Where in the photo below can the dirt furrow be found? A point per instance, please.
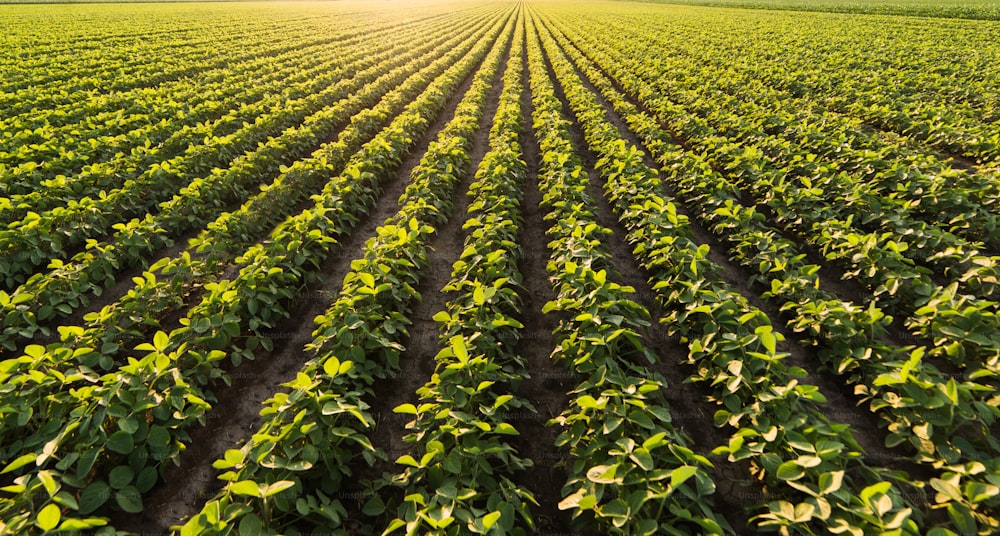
(548, 384)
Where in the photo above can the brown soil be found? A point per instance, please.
(549, 383)
(962, 163)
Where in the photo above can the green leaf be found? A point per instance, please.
(505, 429)
(830, 482)
(129, 500)
(271, 490)
(452, 463)
(158, 437)
(408, 409)
(962, 518)
(406, 459)
(458, 346)
(643, 459)
(580, 499)
(946, 490)
(951, 391)
(447, 491)
(804, 512)
(373, 507)
(20, 462)
(65, 498)
(49, 517)
(886, 378)
(245, 488)
(121, 476)
(129, 425)
(393, 526)
(234, 456)
(161, 341)
(251, 524)
(490, 519)
(767, 338)
(331, 367)
(808, 461)
(501, 400)
(586, 402)
(649, 526)
(911, 363)
(77, 525)
(94, 496)
(146, 479)
(48, 481)
(207, 519)
(121, 442)
(681, 474)
(86, 463)
(790, 471)
(978, 492)
(602, 474)
(879, 488)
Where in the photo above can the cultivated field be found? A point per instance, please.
(500, 268)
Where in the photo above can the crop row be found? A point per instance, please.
(156, 127)
(630, 469)
(961, 327)
(69, 284)
(813, 464)
(933, 11)
(42, 189)
(936, 415)
(185, 63)
(303, 452)
(879, 184)
(939, 96)
(460, 476)
(103, 106)
(142, 301)
(108, 80)
(154, 399)
(132, 317)
(41, 237)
